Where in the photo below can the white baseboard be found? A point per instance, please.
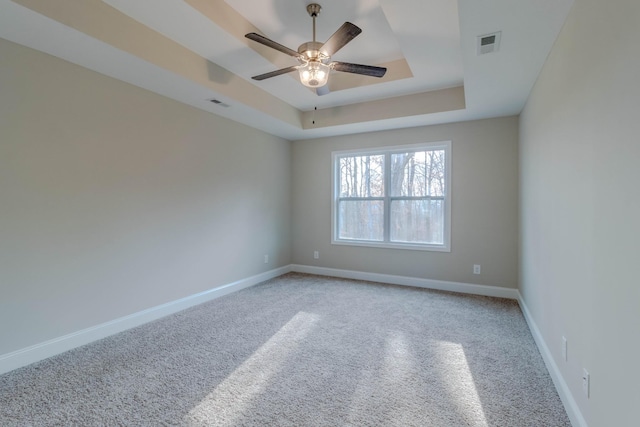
(37, 352)
(570, 405)
(467, 288)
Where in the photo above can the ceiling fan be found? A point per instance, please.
(315, 57)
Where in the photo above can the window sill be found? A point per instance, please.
(386, 245)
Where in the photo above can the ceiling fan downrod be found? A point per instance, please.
(314, 10)
(311, 51)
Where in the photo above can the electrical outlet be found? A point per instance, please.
(266, 259)
(316, 255)
(476, 269)
(564, 349)
(586, 380)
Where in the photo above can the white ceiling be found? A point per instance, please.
(437, 38)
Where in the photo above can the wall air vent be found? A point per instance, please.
(489, 43)
(220, 103)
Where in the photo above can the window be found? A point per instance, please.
(394, 197)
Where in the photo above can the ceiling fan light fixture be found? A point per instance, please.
(314, 74)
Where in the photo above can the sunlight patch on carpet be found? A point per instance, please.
(399, 373)
(232, 396)
(459, 382)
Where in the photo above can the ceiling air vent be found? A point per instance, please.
(489, 43)
(220, 103)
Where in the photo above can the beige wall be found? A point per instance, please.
(114, 199)
(484, 205)
(580, 210)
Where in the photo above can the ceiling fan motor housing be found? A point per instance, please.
(311, 51)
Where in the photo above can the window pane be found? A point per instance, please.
(361, 220)
(362, 176)
(418, 174)
(417, 221)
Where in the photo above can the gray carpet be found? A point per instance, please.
(301, 350)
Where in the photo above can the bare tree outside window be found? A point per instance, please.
(393, 196)
(417, 197)
(362, 187)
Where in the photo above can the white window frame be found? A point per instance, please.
(387, 152)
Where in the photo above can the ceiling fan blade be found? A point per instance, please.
(366, 70)
(273, 45)
(275, 73)
(322, 90)
(344, 35)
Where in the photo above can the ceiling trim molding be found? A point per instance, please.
(437, 101)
